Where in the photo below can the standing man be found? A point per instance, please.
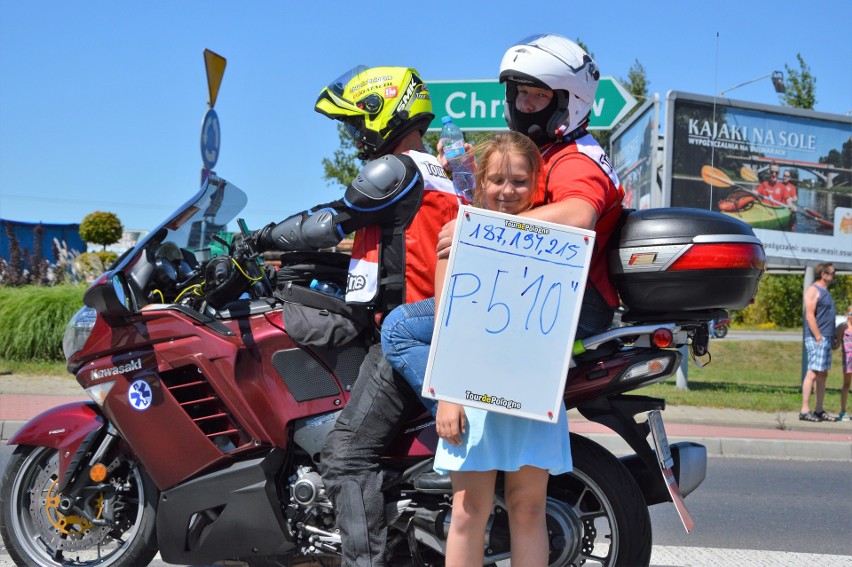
(819, 340)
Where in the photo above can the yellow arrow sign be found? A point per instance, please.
(215, 65)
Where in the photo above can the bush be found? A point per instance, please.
(779, 300)
(90, 265)
(33, 320)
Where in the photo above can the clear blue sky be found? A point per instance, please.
(101, 102)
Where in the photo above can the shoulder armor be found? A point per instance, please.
(380, 183)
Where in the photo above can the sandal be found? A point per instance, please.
(824, 416)
(808, 416)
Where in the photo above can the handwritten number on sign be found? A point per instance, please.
(492, 305)
(538, 281)
(558, 287)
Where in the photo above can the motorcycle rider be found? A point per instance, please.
(550, 89)
(397, 204)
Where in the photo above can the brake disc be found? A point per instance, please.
(66, 532)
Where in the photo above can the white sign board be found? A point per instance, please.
(508, 313)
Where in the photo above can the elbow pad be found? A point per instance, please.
(308, 230)
(379, 184)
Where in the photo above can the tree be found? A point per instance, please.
(344, 164)
(101, 228)
(801, 86)
(637, 84)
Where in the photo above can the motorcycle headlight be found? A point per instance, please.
(78, 330)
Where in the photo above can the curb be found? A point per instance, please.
(718, 446)
(745, 448)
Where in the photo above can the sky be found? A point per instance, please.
(101, 102)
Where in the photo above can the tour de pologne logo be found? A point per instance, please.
(845, 224)
(140, 395)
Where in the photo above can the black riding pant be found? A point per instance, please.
(350, 465)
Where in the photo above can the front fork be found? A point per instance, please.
(81, 494)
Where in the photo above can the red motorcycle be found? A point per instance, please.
(721, 326)
(211, 400)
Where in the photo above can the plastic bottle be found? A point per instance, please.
(327, 287)
(461, 162)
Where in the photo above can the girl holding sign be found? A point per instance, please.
(475, 443)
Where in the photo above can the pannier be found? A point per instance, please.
(313, 318)
(681, 259)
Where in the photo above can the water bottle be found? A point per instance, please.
(461, 162)
(327, 287)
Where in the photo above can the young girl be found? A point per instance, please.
(844, 337)
(475, 444)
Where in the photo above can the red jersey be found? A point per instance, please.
(581, 170)
(779, 192)
(406, 253)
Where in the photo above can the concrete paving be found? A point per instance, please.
(725, 432)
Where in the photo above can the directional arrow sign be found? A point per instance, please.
(478, 104)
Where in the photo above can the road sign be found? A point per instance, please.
(478, 104)
(210, 137)
(215, 65)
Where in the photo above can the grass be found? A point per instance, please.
(33, 319)
(752, 375)
(47, 368)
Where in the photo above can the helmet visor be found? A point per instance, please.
(338, 86)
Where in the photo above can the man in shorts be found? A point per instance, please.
(819, 340)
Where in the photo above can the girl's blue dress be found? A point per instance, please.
(497, 441)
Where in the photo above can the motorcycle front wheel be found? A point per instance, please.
(721, 331)
(596, 514)
(38, 534)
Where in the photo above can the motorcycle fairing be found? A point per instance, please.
(234, 512)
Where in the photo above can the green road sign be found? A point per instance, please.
(478, 104)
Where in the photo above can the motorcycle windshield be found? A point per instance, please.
(193, 225)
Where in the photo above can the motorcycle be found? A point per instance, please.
(720, 327)
(209, 411)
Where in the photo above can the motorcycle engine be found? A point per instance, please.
(310, 514)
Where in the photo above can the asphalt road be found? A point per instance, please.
(748, 513)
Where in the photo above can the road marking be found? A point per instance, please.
(665, 556)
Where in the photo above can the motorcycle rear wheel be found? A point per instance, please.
(37, 534)
(596, 513)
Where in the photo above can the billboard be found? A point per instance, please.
(633, 151)
(36, 239)
(785, 171)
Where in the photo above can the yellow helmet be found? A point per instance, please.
(378, 106)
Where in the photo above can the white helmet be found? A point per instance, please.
(554, 62)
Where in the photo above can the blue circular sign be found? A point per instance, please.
(210, 138)
(140, 395)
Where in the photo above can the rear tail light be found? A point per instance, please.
(737, 255)
(662, 338)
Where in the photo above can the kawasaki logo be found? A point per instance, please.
(114, 370)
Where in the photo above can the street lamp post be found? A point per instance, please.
(777, 82)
